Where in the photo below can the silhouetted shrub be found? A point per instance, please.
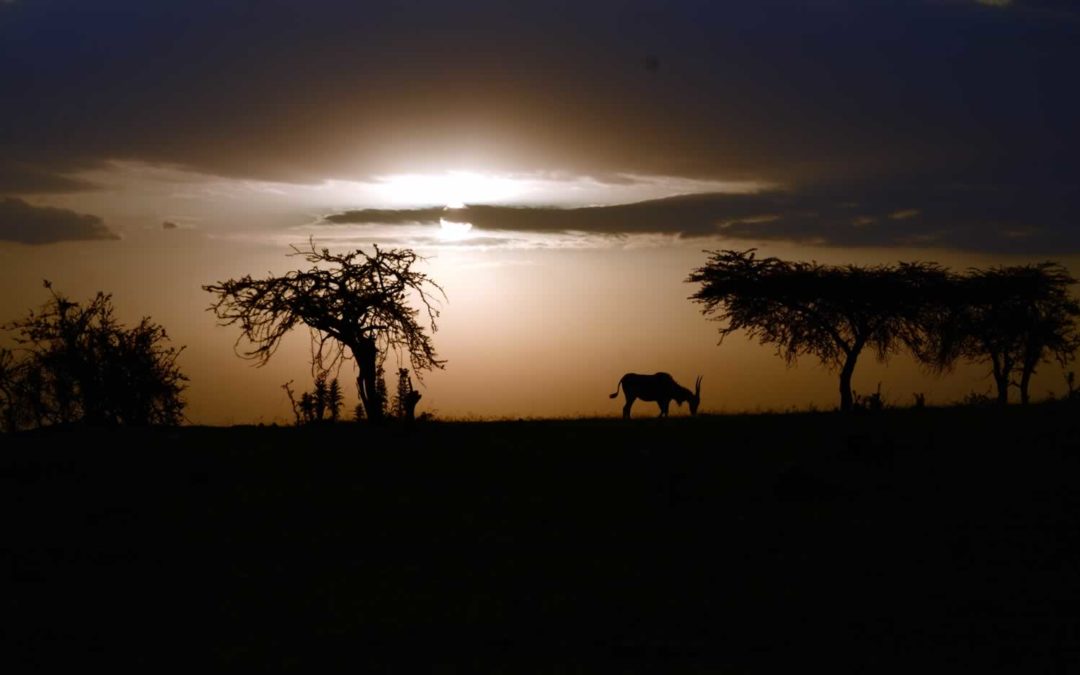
(77, 364)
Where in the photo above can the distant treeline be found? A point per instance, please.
(1010, 318)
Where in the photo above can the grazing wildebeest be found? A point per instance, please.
(659, 387)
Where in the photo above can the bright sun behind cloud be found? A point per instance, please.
(453, 189)
(450, 230)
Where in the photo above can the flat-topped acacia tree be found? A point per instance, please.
(351, 301)
(832, 312)
(1013, 318)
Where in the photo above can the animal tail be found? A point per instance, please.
(617, 387)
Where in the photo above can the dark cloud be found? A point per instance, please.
(28, 224)
(24, 178)
(1060, 9)
(763, 89)
(1038, 218)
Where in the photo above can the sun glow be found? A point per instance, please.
(452, 231)
(453, 189)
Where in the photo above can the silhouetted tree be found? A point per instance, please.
(351, 301)
(1013, 318)
(77, 364)
(831, 312)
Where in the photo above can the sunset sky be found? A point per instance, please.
(561, 165)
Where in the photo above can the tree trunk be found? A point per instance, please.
(1002, 390)
(366, 382)
(1025, 380)
(847, 401)
(411, 399)
(1002, 368)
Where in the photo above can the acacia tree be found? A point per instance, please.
(831, 312)
(351, 301)
(76, 363)
(1013, 318)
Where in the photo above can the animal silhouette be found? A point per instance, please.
(659, 387)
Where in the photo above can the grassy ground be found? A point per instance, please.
(942, 538)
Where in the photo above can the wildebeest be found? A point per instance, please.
(659, 387)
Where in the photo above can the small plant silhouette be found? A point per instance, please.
(978, 399)
(322, 403)
(869, 403)
(406, 398)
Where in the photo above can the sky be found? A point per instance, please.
(561, 166)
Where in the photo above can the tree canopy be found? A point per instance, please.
(805, 308)
(351, 301)
(76, 363)
(1012, 318)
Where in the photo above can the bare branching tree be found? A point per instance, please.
(356, 306)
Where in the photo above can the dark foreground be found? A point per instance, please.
(941, 539)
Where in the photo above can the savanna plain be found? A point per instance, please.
(882, 541)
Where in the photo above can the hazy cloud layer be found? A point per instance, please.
(762, 89)
(28, 224)
(1031, 219)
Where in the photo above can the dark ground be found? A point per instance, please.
(946, 539)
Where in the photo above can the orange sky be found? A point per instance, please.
(526, 333)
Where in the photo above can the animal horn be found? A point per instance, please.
(697, 386)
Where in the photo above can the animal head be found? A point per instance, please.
(695, 398)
